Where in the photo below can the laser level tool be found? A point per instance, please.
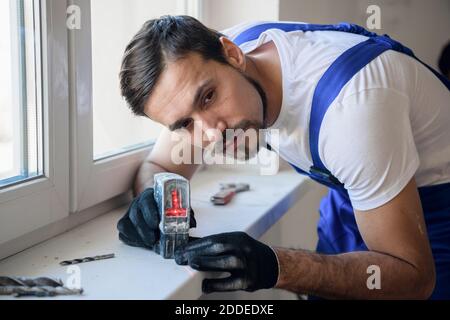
(173, 200)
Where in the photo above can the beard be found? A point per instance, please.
(250, 142)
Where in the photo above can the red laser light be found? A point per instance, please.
(176, 210)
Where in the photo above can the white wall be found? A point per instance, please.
(424, 26)
(220, 14)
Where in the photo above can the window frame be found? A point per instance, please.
(36, 202)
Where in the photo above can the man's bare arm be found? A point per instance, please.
(396, 237)
(159, 160)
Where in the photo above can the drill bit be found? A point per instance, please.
(87, 259)
(37, 287)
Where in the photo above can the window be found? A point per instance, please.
(115, 128)
(34, 134)
(108, 142)
(21, 149)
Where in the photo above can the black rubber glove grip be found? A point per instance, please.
(252, 264)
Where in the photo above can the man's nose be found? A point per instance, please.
(212, 128)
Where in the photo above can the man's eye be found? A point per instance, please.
(186, 124)
(208, 97)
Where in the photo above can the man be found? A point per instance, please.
(383, 149)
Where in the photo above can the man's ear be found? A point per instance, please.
(233, 53)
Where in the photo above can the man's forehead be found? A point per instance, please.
(176, 86)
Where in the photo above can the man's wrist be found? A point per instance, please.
(277, 251)
(278, 265)
(285, 261)
(139, 188)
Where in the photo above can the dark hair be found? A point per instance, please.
(160, 40)
(444, 60)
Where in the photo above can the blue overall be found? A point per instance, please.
(337, 228)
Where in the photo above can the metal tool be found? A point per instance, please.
(173, 200)
(87, 259)
(228, 191)
(38, 287)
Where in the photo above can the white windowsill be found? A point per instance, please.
(137, 273)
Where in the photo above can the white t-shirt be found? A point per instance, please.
(389, 123)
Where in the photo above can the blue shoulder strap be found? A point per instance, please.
(254, 32)
(336, 77)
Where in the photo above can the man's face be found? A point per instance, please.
(195, 94)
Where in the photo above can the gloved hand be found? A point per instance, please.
(139, 226)
(252, 264)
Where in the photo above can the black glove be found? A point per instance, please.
(252, 264)
(139, 226)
